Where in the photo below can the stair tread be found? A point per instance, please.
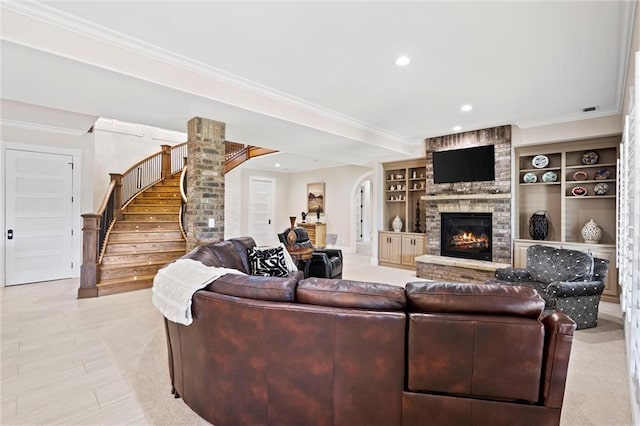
(143, 252)
(176, 240)
(133, 264)
(113, 281)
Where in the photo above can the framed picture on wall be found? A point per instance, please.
(315, 197)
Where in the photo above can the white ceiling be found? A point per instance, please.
(317, 80)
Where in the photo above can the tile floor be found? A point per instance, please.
(56, 365)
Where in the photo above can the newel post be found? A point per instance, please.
(89, 268)
(117, 195)
(166, 161)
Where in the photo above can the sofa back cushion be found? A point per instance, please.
(227, 255)
(481, 299)
(548, 264)
(351, 294)
(273, 289)
(478, 356)
(203, 254)
(242, 245)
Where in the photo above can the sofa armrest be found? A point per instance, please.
(513, 274)
(559, 330)
(575, 288)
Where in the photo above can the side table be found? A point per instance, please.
(301, 255)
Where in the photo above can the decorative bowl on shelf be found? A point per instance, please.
(580, 175)
(601, 188)
(602, 173)
(549, 177)
(529, 178)
(589, 157)
(579, 191)
(540, 161)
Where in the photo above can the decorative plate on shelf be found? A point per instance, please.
(549, 177)
(540, 161)
(580, 175)
(602, 173)
(589, 157)
(529, 178)
(579, 191)
(601, 188)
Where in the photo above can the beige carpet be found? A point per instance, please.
(597, 390)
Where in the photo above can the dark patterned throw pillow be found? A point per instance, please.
(268, 262)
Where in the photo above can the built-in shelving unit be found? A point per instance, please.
(404, 185)
(566, 209)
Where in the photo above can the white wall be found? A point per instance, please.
(236, 211)
(340, 184)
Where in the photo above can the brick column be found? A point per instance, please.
(205, 181)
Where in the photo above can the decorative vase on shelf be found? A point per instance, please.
(591, 232)
(539, 225)
(291, 236)
(397, 224)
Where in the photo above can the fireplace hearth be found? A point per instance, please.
(466, 235)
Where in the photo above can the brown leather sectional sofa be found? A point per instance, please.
(292, 351)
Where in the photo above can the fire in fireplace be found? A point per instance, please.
(466, 235)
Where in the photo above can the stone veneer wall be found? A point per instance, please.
(205, 181)
(473, 192)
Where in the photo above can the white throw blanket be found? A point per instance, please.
(176, 283)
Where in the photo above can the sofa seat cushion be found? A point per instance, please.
(548, 264)
(351, 294)
(268, 262)
(484, 299)
(273, 289)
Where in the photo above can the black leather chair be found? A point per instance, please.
(324, 263)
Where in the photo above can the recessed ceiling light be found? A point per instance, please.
(466, 108)
(403, 61)
(457, 128)
(277, 164)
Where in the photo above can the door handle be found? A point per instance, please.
(269, 221)
(10, 234)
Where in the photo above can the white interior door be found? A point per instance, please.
(262, 210)
(39, 221)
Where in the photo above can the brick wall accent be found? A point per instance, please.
(205, 181)
(500, 137)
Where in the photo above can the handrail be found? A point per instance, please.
(183, 201)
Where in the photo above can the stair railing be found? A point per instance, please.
(123, 188)
(183, 201)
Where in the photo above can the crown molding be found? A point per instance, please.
(86, 28)
(41, 127)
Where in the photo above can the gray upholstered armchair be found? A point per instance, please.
(571, 281)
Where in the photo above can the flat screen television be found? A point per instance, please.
(475, 164)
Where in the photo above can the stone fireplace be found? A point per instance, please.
(490, 200)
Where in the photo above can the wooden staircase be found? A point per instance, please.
(146, 238)
(136, 230)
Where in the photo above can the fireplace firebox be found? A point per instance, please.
(466, 235)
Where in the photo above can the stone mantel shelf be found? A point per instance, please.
(465, 197)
